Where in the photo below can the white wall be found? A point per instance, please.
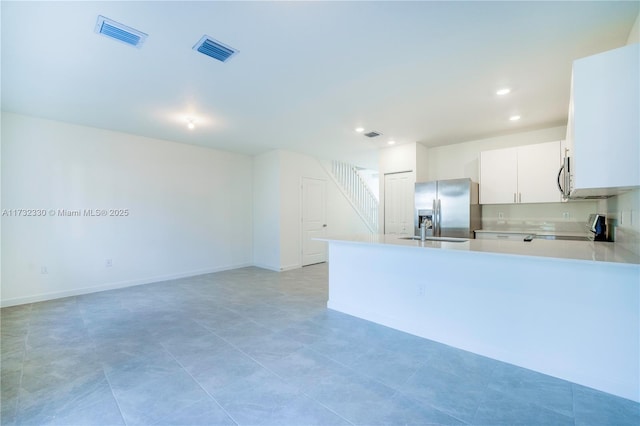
(462, 160)
(634, 34)
(396, 159)
(189, 209)
(277, 209)
(266, 210)
(623, 212)
(563, 217)
(341, 216)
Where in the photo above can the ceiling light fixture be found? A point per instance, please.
(190, 124)
(514, 118)
(391, 142)
(359, 129)
(503, 92)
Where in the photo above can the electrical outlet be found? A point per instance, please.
(421, 289)
(43, 270)
(108, 263)
(500, 215)
(566, 216)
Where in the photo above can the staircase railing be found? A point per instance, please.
(357, 192)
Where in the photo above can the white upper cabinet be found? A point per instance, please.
(603, 134)
(499, 176)
(524, 174)
(538, 167)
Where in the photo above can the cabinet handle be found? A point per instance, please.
(519, 197)
(502, 236)
(514, 197)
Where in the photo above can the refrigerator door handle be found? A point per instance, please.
(438, 215)
(435, 218)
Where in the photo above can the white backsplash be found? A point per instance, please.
(560, 217)
(623, 214)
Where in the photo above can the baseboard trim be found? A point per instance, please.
(267, 267)
(115, 285)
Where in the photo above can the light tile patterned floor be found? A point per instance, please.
(255, 347)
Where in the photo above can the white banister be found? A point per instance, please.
(357, 191)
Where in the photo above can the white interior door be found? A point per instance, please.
(314, 220)
(398, 203)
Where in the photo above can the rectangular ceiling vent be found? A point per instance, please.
(372, 134)
(115, 30)
(213, 48)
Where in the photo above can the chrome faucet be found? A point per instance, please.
(423, 229)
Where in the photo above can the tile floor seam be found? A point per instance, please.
(305, 393)
(435, 407)
(284, 378)
(394, 389)
(24, 356)
(423, 403)
(482, 400)
(356, 372)
(106, 377)
(573, 403)
(102, 367)
(199, 385)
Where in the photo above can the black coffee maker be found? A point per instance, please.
(597, 225)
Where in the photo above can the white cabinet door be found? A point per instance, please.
(398, 203)
(603, 121)
(538, 167)
(498, 176)
(524, 174)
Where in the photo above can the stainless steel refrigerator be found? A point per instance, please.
(447, 208)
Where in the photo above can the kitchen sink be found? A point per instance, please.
(443, 239)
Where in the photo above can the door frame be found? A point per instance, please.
(383, 198)
(302, 207)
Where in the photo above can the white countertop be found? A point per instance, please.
(591, 251)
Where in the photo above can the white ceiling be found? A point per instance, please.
(307, 73)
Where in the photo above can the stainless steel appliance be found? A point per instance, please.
(597, 225)
(564, 176)
(447, 208)
(565, 181)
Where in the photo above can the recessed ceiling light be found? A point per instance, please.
(504, 91)
(359, 129)
(391, 142)
(514, 118)
(190, 124)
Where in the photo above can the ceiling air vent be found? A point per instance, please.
(117, 31)
(372, 134)
(213, 48)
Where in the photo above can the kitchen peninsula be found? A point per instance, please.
(565, 308)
